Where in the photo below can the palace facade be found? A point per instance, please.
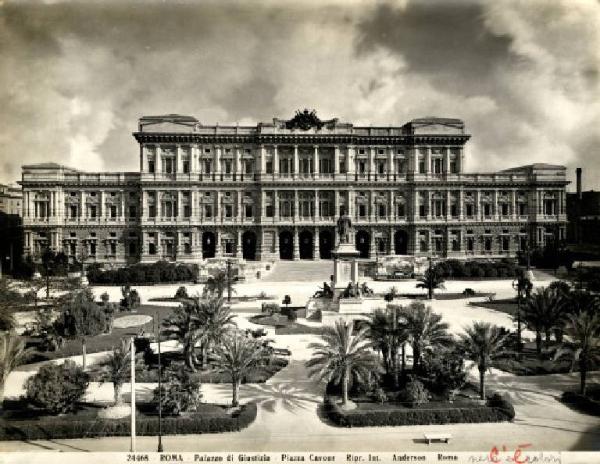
(275, 191)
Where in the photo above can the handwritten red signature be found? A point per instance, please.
(516, 457)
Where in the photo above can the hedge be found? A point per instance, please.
(161, 271)
(397, 417)
(63, 428)
(582, 403)
(454, 268)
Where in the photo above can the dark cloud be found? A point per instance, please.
(75, 77)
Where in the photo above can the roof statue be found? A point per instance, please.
(304, 120)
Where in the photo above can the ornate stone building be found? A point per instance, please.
(275, 191)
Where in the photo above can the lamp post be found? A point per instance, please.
(229, 281)
(160, 446)
(517, 286)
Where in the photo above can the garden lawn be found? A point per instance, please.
(508, 305)
(105, 342)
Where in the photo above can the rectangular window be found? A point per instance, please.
(113, 212)
(421, 166)
(487, 210)
(470, 244)
(401, 212)
(113, 249)
(381, 211)
(362, 167)
(228, 211)
(422, 212)
(381, 167)
(132, 211)
(453, 166)
(208, 211)
(470, 210)
(342, 167)
(132, 248)
(152, 248)
(92, 248)
(248, 211)
(92, 212)
(504, 209)
(187, 211)
(152, 211)
(151, 168)
(269, 211)
(522, 209)
(228, 167)
(186, 167)
(73, 210)
(362, 211)
(505, 243)
(269, 167)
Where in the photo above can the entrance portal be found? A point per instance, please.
(286, 245)
(325, 244)
(249, 246)
(363, 242)
(401, 242)
(306, 244)
(209, 243)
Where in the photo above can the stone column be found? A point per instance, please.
(238, 160)
(296, 245)
(428, 161)
(316, 214)
(316, 161)
(296, 207)
(428, 208)
(336, 208)
(296, 162)
(144, 211)
(178, 206)
(122, 197)
(262, 158)
(371, 160)
(218, 154)
(240, 206)
(446, 160)
(350, 165)
(316, 245)
(461, 201)
(513, 204)
(177, 163)
(158, 160)
(275, 161)
(336, 159)
(390, 167)
(448, 208)
(143, 159)
(373, 243)
(218, 252)
(276, 205)
(350, 207)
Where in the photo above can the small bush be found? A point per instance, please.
(502, 403)
(105, 298)
(57, 388)
(415, 393)
(379, 395)
(270, 308)
(182, 394)
(181, 292)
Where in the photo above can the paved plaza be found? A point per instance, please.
(289, 413)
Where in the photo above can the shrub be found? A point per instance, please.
(502, 403)
(379, 395)
(182, 394)
(491, 272)
(443, 371)
(292, 316)
(395, 417)
(270, 308)
(415, 393)
(65, 428)
(57, 388)
(583, 403)
(181, 292)
(105, 298)
(131, 298)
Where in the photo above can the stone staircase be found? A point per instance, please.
(300, 271)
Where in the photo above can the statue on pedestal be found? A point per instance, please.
(344, 228)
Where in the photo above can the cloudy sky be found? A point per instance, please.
(524, 75)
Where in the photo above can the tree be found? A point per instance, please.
(131, 298)
(57, 388)
(117, 367)
(481, 343)
(215, 320)
(542, 313)
(10, 300)
(583, 345)
(431, 280)
(342, 356)
(425, 330)
(12, 354)
(444, 371)
(217, 284)
(236, 355)
(180, 395)
(81, 318)
(387, 332)
(185, 325)
(286, 301)
(580, 301)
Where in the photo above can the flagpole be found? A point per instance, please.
(132, 350)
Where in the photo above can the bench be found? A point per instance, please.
(437, 436)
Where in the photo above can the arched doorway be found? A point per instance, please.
(306, 244)
(249, 245)
(286, 245)
(363, 243)
(325, 244)
(209, 243)
(401, 242)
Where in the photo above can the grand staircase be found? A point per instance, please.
(300, 271)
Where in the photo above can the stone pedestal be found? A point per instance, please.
(345, 266)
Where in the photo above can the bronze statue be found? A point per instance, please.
(344, 228)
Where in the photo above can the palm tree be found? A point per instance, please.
(215, 320)
(217, 284)
(425, 330)
(541, 314)
(12, 354)
(118, 368)
(185, 324)
(481, 343)
(431, 280)
(582, 301)
(342, 356)
(583, 332)
(387, 332)
(236, 355)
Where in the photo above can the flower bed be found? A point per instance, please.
(52, 428)
(397, 415)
